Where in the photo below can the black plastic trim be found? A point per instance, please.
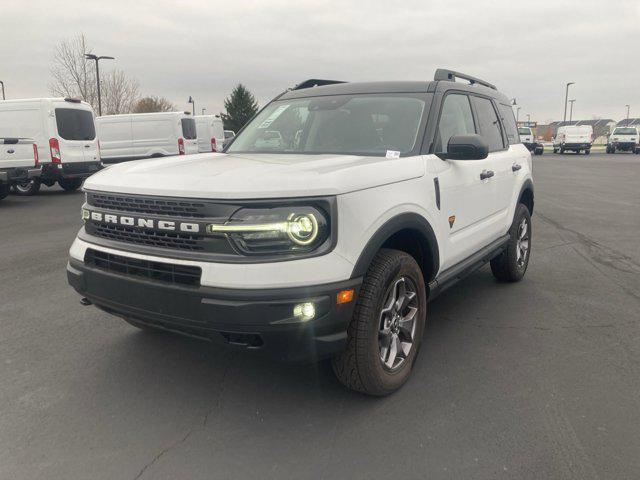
(401, 222)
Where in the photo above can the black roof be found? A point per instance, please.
(444, 80)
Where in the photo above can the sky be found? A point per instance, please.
(200, 48)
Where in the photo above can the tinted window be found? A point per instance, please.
(510, 127)
(456, 119)
(189, 128)
(75, 124)
(340, 124)
(488, 123)
(625, 131)
(524, 131)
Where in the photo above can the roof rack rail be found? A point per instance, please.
(450, 75)
(315, 82)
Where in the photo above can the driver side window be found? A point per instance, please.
(455, 119)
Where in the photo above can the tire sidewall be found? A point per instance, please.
(389, 381)
(522, 212)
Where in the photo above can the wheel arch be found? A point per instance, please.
(408, 232)
(526, 195)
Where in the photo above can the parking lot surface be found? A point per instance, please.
(539, 379)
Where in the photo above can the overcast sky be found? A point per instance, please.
(529, 49)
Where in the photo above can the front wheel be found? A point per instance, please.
(70, 184)
(587, 152)
(511, 264)
(385, 332)
(27, 188)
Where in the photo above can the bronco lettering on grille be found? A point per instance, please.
(140, 222)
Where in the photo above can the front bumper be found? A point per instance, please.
(56, 171)
(260, 320)
(16, 175)
(625, 146)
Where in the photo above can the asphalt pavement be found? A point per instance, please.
(539, 379)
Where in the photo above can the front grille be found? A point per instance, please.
(151, 238)
(157, 271)
(154, 206)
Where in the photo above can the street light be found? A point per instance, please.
(518, 113)
(571, 111)
(91, 56)
(193, 104)
(2, 83)
(628, 106)
(566, 98)
(528, 118)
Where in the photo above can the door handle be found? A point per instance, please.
(486, 174)
(515, 167)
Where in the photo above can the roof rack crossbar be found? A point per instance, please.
(450, 75)
(315, 82)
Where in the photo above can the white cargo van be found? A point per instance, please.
(18, 162)
(210, 133)
(624, 139)
(63, 130)
(145, 135)
(576, 138)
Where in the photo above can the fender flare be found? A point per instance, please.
(527, 185)
(395, 224)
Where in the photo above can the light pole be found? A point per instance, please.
(517, 114)
(193, 104)
(566, 98)
(2, 83)
(91, 56)
(571, 110)
(528, 118)
(628, 106)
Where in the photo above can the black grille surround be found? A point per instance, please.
(147, 205)
(155, 271)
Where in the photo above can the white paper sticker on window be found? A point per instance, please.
(272, 118)
(393, 154)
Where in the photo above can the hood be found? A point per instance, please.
(247, 176)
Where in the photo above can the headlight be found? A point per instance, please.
(276, 230)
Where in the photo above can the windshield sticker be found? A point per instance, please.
(393, 154)
(273, 117)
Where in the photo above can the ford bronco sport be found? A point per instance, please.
(325, 240)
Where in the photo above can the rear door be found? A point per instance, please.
(189, 134)
(76, 134)
(468, 202)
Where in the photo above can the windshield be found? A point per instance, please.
(75, 124)
(189, 128)
(340, 124)
(625, 131)
(524, 131)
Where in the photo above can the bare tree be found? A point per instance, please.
(119, 92)
(153, 104)
(72, 75)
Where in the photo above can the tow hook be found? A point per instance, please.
(84, 301)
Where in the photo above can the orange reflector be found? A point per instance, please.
(345, 296)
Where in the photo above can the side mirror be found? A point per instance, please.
(465, 147)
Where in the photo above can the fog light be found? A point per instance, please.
(304, 311)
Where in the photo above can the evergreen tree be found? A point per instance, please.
(241, 105)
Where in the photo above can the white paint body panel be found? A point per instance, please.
(17, 155)
(209, 126)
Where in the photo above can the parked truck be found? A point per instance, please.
(18, 163)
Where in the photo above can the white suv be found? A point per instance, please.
(327, 240)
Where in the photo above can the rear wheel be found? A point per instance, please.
(587, 152)
(385, 332)
(27, 188)
(511, 265)
(70, 184)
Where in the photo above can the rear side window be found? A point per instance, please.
(189, 128)
(456, 119)
(75, 124)
(509, 122)
(488, 123)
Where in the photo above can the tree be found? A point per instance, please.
(241, 105)
(153, 104)
(119, 93)
(72, 75)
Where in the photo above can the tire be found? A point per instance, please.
(509, 266)
(561, 151)
(28, 188)
(555, 150)
(587, 152)
(4, 191)
(70, 184)
(375, 323)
